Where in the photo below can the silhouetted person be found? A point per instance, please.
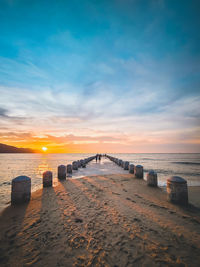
(96, 157)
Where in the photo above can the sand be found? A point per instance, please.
(108, 220)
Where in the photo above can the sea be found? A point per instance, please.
(33, 165)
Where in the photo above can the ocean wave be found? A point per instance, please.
(167, 172)
(186, 163)
(153, 159)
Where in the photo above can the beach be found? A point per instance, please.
(102, 220)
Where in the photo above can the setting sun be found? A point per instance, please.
(44, 148)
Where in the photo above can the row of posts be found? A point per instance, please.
(177, 190)
(21, 185)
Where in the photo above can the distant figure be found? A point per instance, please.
(96, 157)
(99, 157)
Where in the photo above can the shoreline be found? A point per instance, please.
(35, 166)
(100, 221)
(193, 191)
(193, 194)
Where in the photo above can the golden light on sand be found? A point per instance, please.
(44, 148)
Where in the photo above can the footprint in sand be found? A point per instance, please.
(171, 211)
(114, 193)
(138, 196)
(136, 220)
(78, 220)
(131, 200)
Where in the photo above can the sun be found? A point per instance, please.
(44, 148)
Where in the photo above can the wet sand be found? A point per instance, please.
(194, 195)
(104, 220)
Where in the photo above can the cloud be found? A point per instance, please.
(3, 112)
(75, 138)
(104, 106)
(21, 72)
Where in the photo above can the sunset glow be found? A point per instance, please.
(44, 148)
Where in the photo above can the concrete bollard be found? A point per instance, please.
(47, 179)
(131, 168)
(138, 171)
(79, 163)
(75, 165)
(126, 165)
(152, 178)
(177, 191)
(69, 169)
(61, 172)
(21, 190)
(83, 165)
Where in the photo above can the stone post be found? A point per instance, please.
(61, 172)
(152, 178)
(75, 165)
(126, 165)
(47, 179)
(177, 191)
(79, 163)
(138, 170)
(21, 190)
(131, 168)
(69, 169)
(83, 164)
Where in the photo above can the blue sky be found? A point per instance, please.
(120, 75)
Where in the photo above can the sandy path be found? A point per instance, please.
(109, 220)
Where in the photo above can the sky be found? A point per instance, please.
(100, 76)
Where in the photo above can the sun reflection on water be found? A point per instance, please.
(43, 166)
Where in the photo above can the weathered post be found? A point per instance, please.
(152, 178)
(75, 165)
(177, 191)
(138, 171)
(126, 165)
(47, 179)
(120, 162)
(69, 169)
(61, 172)
(79, 163)
(21, 190)
(131, 168)
(83, 165)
